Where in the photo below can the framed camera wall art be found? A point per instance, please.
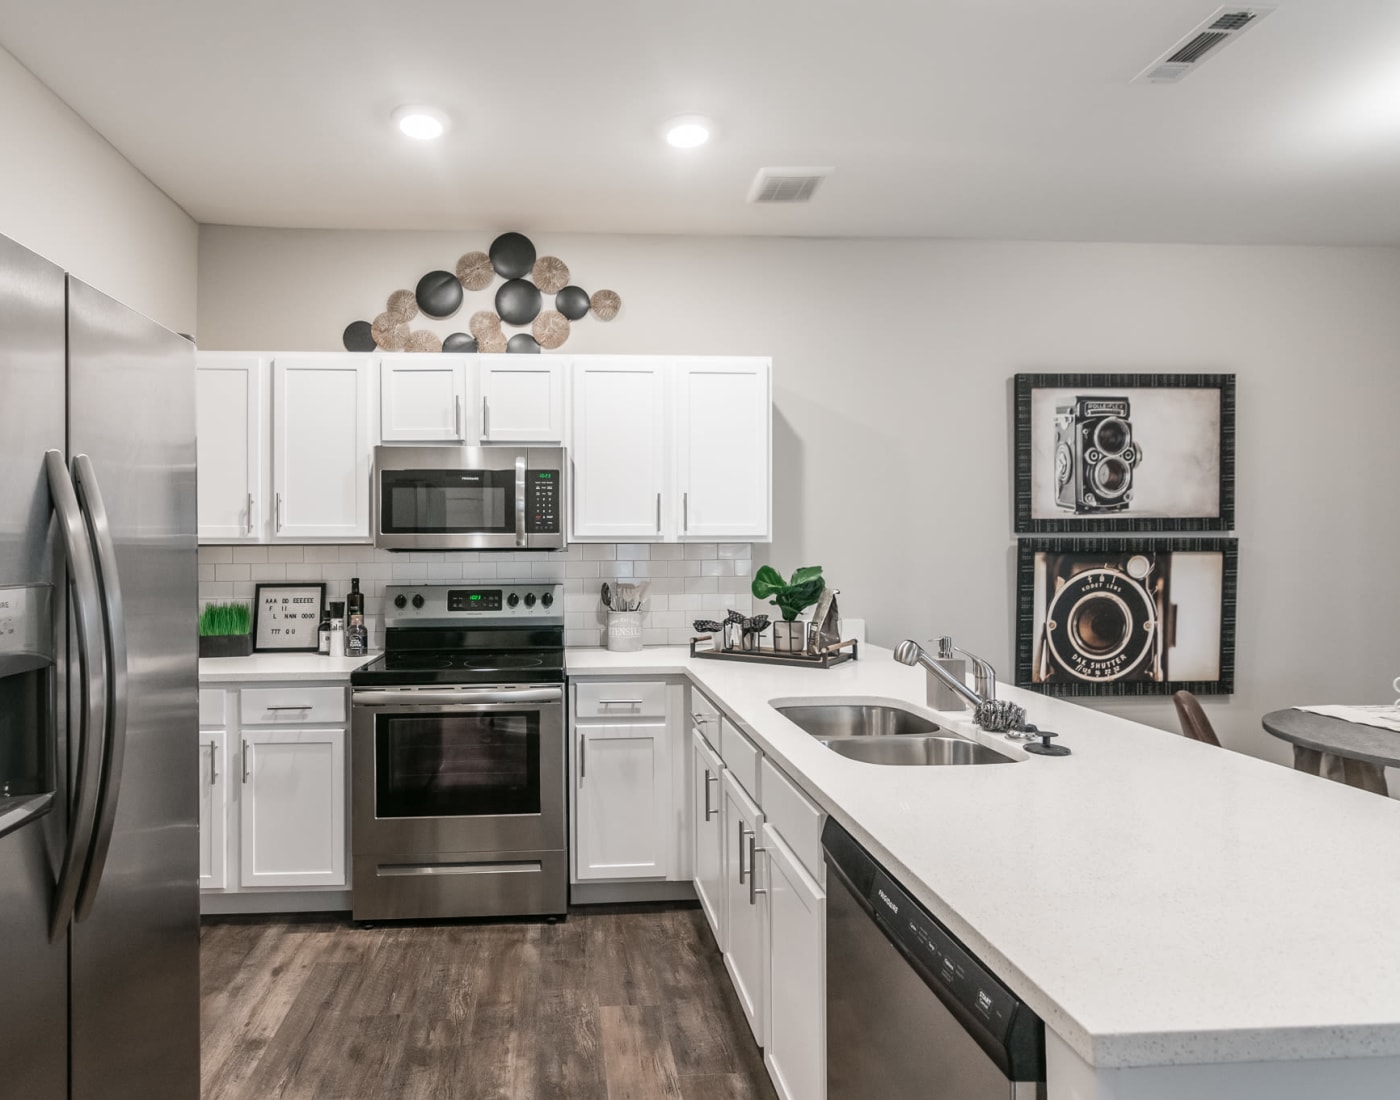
(1124, 452)
(1113, 616)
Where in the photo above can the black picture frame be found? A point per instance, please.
(1097, 605)
(1046, 503)
(275, 630)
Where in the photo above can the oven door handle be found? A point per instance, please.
(418, 697)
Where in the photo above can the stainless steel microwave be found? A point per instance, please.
(469, 498)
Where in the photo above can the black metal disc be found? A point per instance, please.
(572, 302)
(459, 341)
(523, 343)
(512, 255)
(439, 294)
(359, 336)
(518, 302)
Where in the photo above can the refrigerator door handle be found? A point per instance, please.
(92, 680)
(114, 751)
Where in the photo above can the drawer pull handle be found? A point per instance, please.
(299, 706)
(700, 719)
(753, 874)
(709, 810)
(246, 752)
(213, 763)
(742, 831)
(619, 702)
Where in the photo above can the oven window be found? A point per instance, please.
(457, 765)
(447, 502)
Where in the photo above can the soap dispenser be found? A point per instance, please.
(940, 695)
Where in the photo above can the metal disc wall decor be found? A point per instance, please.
(512, 255)
(474, 271)
(402, 306)
(551, 329)
(390, 334)
(439, 294)
(518, 302)
(551, 274)
(572, 302)
(606, 303)
(359, 336)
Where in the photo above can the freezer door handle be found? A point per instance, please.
(93, 691)
(114, 751)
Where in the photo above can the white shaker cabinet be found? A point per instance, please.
(322, 407)
(621, 444)
(424, 398)
(213, 809)
(795, 1052)
(522, 398)
(723, 454)
(623, 826)
(292, 819)
(707, 835)
(231, 426)
(746, 914)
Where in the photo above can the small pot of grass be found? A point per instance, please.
(224, 630)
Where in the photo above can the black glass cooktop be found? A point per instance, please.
(426, 656)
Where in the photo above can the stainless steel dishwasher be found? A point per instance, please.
(910, 1011)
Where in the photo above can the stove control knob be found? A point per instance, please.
(400, 601)
(529, 599)
(513, 599)
(547, 600)
(418, 599)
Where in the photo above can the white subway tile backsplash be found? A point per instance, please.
(216, 555)
(683, 568)
(716, 568)
(735, 550)
(445, 571)
(581, 569)
(321, 555)
(252, 555)
(667, 551)
(598, 551)
(279, 553)
(698, 551)
(233, 572)
(703, 586)
(206, 572)
(634, 551)
(410, 571)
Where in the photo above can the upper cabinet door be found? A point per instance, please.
(231, 427)
(322, 407)
(620, 442)
(723, 454)
(423, 398)
(522, 399)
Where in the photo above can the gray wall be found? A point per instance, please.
(892, 368)
(68, 195)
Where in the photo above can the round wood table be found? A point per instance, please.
(1348, 752)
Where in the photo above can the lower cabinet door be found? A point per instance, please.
(213, 810)
(796, 1049)
(746, 911)
(622, 805)
(292, 826)
(707, 836)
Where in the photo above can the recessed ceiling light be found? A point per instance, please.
(687, 131)
(420, 122)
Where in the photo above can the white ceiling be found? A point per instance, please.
(1011, 119)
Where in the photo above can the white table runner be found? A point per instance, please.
(1386, 717)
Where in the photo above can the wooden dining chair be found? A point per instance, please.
(1194, 723)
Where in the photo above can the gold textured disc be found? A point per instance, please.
(390, 334)
(423, 340)
(475, 271)
(551, 274)
(605, 304)
(483, 324)
(403, 306)
(551, 328)
(494, 342)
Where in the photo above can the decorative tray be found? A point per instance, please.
(840, 653)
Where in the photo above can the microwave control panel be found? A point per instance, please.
(542, 501)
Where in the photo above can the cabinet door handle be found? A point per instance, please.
(709, 810)
(685, 511)
(485, 419)
(250, 513)
(658, 513)
(279, 512)
(246, 754)
(754, 891)
(213, 763)
(742, 831)
(699, 719)
(582, 758)
(457, 417)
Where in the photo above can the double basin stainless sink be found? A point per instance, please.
(878, 734)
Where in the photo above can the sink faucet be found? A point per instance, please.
(909, 652)
(984, 676)
(988, 712)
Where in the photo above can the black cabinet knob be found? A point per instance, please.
(418, 600)
(400, 601)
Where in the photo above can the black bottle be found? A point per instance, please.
(355, 600)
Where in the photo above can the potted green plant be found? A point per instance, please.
(224, 630)
(791, 598)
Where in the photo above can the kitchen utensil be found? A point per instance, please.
(607, 597)
(707, 626)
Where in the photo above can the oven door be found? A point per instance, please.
(449, 498)
(438, 770)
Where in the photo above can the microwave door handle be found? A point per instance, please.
(520, 500)
(114, 752)
(92, 680)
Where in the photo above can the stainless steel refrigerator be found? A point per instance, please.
(99, 864)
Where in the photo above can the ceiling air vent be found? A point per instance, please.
(1223, 27)
(786, 184)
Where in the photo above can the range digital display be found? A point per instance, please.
(474, 599)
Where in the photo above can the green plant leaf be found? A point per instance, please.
(767, 582)
(806, 574)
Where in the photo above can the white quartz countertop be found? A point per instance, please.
(1157, 901)
(279, 666)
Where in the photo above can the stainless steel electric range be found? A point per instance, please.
(457, 756)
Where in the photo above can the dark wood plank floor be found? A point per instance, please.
(616, 1003)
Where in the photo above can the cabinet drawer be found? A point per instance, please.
(795, 816)
(211, 707)
(630, 699)
(704, 716)
(292, 706)
(740, 755)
